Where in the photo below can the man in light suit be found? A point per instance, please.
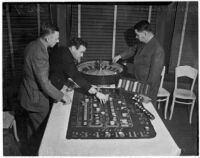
(36, 87)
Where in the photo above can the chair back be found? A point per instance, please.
(162, 77)
(186, 71)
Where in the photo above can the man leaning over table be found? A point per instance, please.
(63, 66)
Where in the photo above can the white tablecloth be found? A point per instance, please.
(54, 142)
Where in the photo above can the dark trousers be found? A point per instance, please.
(36, 124)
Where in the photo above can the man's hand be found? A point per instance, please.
(102, 97)
(145, 98)
(66, 99)
(116, 58)
(92, 90)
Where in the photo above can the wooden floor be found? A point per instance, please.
(184, 134)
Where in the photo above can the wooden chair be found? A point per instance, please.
(9, 122)
(163, 94)
(185, 94)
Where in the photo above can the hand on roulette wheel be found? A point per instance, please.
(102, 97)
(92, 90)
(116, 58)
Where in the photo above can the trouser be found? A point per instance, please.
(154, 93)
(36, 121)
(36, 124)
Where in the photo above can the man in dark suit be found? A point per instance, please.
(36, 87)
(62, 66)
(148, 58)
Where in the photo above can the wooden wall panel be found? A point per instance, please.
(127, 17)
(190, 43)
(24, 28)
(97, 26)
(97, 30)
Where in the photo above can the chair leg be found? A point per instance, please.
(166, 107)
(172, 108)
(15, 130)
(191, 111)
(158, 104)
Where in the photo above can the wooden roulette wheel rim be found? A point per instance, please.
(100, 72)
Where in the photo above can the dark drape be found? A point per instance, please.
(61, 15)
(69, 22)
(165, 28)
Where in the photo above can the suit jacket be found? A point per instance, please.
(132, 51)
(148, 63)
(62, 66)
(36, 87)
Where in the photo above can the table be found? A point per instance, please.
(54, 142)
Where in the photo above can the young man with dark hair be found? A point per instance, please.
(62, 66)
(36, 87)
(148, 59)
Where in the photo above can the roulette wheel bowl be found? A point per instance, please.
(101, 72)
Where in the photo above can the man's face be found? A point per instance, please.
(141, 36)
(53, 38)
(78, 53)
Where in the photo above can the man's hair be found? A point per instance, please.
(47, 29)
(77, 42)
(143, 25)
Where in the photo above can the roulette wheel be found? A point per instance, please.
(99, 72)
